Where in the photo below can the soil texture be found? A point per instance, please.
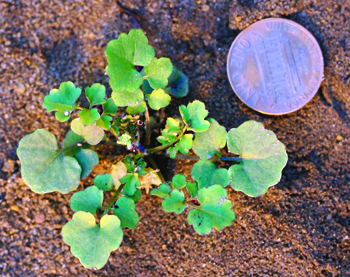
(301, 227)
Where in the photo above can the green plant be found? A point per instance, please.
(140, 82)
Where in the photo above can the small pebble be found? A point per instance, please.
(339, 137)
(19, 88)
(39, 218)
(205, 8)
(14, 208)
(9, 166)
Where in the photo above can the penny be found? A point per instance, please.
(275, 66)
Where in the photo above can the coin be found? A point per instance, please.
(275, 66)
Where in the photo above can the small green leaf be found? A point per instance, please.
(118, 171)
(124, 209)
(192, 188)
(136, 196)
(44, 167)
(87, 159)
(115, 130)
(77, 127)
(158, 99)
(90, 242)
(209, 142)
(123, 54)
(177, 84)
(214, 210)
(170, 133)
(92, 134)
(124, 98)
(70, 140)
(87, 200)
(88, 117)
(105, 122)
(139, 108)
(162, 191)
(194, 115)
(104, 182)
(62, 100)
(131, 181)
(174, 202)
(179, 181)
(109, 107)
(158, 72)
(220, 177)
(171, 151)
(206, 174)
(185, 144)
(96, 94)
(263, 158)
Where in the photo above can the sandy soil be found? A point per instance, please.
(299, 228)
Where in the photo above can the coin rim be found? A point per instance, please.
(277, 19)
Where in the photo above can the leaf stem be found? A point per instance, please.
(148, 128)
(162, 147)
(196, 158)
(231, 159)
(113, 200)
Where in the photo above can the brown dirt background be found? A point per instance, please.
(299, 228)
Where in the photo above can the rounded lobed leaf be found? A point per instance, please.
(192, 188)
(214, 210)
(262, 156)
(96, 94)
(177, 84)
(70, 141)
(118, 171)
(139, 108)
(124, 209)
(44, 167)
(87, 200)
(174, 202)
(124, 98)
(93, 134)
(90, 242)
(104, 182)
(105, 122)
(162, 191)
(207, 174)
(109, 107)
(131, 181)
(179, 181)
(71, 138)
(87, 159)
(209, 142)
(88, 117)
(194, 115)
(185, 144)
(136, 196)
(62, 100)
(158, 72)
(158, 99)
(123, 54)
